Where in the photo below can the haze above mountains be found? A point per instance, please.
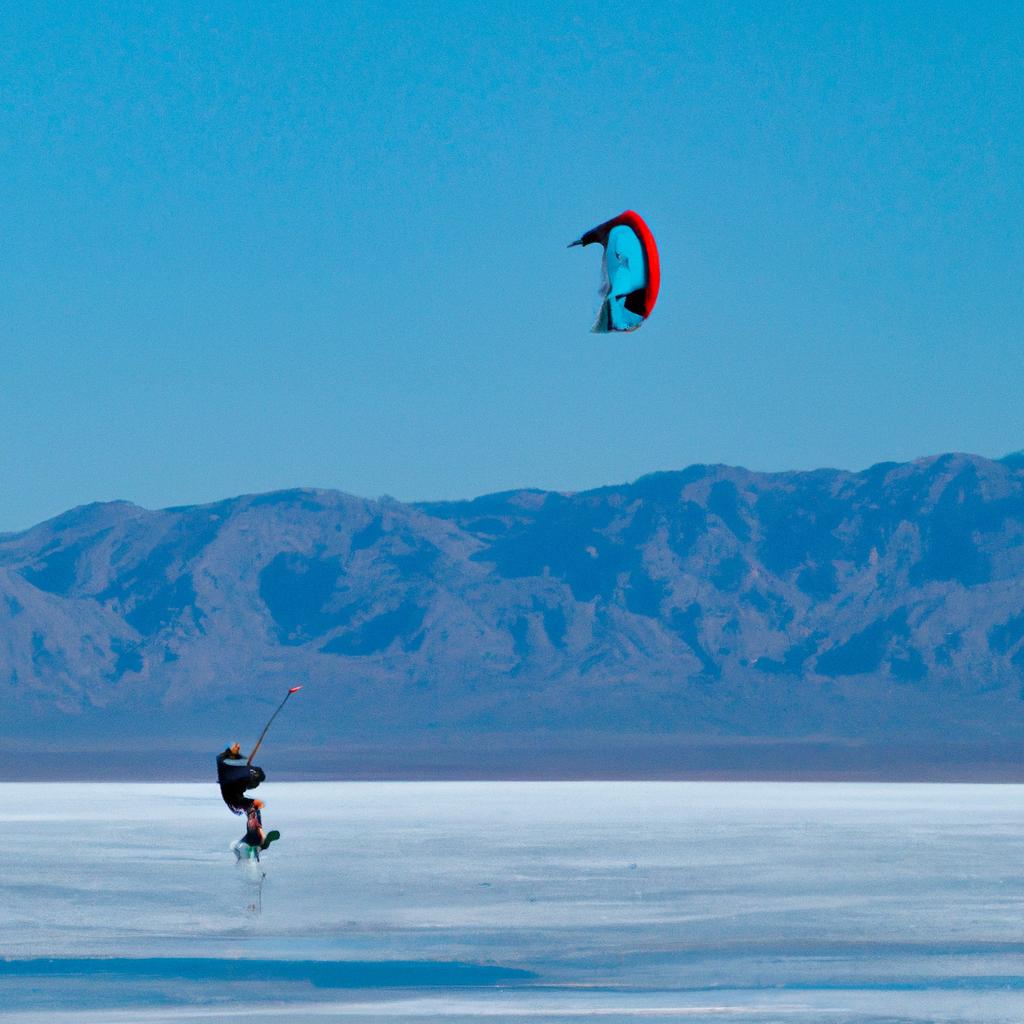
(710, 620)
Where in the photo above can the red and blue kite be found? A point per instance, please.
(631, 273)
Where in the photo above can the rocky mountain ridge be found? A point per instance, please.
(713, 603)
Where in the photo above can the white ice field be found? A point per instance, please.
(511, 902)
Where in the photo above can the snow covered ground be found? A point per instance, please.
(759, 902)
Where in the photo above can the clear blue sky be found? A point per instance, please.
(254, 246)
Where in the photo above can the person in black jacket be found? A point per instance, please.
(235, 775)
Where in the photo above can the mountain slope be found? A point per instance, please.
(881, 607)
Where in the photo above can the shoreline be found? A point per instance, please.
(979, 778)
(588, 760)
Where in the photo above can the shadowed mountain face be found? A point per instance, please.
(881, 607)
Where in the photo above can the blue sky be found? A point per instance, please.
(248, 247)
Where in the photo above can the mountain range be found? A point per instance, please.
(712, 620)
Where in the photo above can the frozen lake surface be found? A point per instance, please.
(501, 902)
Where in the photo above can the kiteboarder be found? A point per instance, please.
(235, 775)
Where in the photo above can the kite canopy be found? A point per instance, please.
(632, 271)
